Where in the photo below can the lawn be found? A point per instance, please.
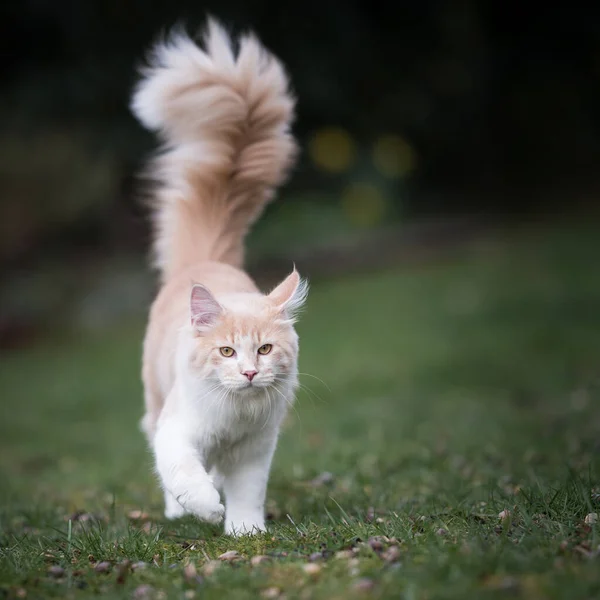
(445, 445)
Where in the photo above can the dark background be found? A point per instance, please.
(483, 108)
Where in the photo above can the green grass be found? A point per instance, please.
(454, 391)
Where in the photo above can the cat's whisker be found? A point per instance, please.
(214, 400)
(226, 403)
(311, 393)
(270, 404)
(221, 401)
(210, 391)
(235, 409)
(215, 397)
(315, 377)
(268, 395)
(291, 404)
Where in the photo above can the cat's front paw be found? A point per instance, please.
(214, 514)
(205, 503)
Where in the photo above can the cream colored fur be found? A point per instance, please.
(212, 420)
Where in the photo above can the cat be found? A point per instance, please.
(219, 358)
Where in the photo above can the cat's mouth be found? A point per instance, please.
(255, 385)
(250, 387)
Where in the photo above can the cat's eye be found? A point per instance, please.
(265, 349)
(227, 352)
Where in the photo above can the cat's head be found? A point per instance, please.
(246, 342)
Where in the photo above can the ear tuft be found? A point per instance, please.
(204, 309)
(290, 295)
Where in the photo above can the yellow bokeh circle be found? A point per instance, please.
(393, 156)
(332, 149)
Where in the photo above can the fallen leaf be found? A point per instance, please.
(143, 592)
(190, 574)
(230, 555)
(138, 515)
(56, 571)
(102, 567)
(210, 567)
(376, 543)
(312, 569)
(392, 554)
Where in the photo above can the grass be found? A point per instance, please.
(454, 392)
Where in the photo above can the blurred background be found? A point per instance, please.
(421, 124)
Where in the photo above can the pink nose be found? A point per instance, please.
(250, 374)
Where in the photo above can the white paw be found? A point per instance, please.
(247, 526)
(205, 503)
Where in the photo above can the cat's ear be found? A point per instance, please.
(204, 309)
(290, 295)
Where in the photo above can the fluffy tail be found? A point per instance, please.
(225, 122)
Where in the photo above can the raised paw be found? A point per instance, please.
(204, 503)
(214, 514)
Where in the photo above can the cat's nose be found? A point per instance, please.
(250, 374)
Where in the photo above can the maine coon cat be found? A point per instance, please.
(220, 358)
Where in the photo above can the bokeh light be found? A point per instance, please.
(393, 156)
(332, 149)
